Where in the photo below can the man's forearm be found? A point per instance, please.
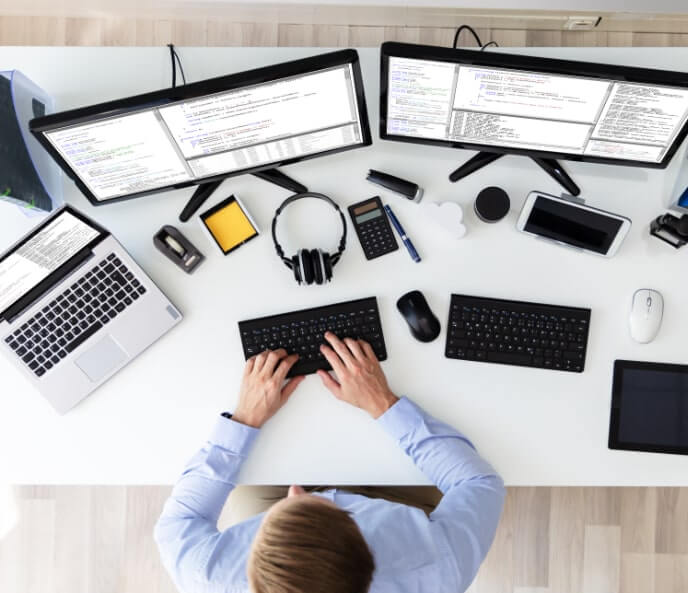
(465, 521)
(442, 453)
(190, 515)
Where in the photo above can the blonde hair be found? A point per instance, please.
(307, 546)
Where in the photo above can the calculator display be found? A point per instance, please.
(368, 215)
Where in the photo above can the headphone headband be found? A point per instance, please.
(342, 243)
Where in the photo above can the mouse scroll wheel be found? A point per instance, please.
(649, 302)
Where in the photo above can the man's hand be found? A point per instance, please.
(263, 390)
(361, 381)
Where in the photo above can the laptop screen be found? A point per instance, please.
(42, 254)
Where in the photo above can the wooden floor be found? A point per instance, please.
(33, 30)
(98, 539)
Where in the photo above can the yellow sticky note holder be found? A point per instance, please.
(229, 224)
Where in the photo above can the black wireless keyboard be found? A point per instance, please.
(302, 332)
(518, 333)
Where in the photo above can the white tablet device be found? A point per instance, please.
(572, 225)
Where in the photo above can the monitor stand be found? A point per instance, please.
(278, 178)
(552, 167)
(204, 190)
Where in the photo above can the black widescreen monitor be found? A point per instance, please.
(543, 108)
(203, 132)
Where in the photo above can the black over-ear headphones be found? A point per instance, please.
(310, 265)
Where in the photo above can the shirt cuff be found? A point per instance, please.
(233, 436)
(400, 419)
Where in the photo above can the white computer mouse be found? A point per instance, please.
(647, 309)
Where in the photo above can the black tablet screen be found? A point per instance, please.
(650, 407)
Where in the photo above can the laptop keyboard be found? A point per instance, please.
(69, 320)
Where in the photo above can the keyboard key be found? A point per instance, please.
(74, 344)
(509, 358)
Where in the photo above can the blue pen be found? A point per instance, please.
(395, 223)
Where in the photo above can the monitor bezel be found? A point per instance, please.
(40, 126)
(538, 64)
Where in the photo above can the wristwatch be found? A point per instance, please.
(226, 415)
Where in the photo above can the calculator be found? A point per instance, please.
(373, 228)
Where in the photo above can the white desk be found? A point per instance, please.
(538, 427)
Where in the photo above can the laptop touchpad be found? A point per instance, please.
(101, 359)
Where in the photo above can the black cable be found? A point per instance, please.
(475, 35)
(174, 66)
(174, 56)
(468, 28)
(181, 68)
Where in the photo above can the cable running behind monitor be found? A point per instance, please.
(202, 133)
(542, 108)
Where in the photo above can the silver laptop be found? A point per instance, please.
(75, 307)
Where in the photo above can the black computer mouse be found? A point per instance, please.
(424, 326)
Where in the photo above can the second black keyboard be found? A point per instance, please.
(302, 332)
(517, 333)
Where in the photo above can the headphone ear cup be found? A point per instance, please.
(296, 267)
(306, 266)
(327, 266)
(318, 271)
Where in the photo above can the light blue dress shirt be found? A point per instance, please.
(413, 553)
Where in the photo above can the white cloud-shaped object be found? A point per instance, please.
(448, 215)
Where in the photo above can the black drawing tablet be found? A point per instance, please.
(649, 407)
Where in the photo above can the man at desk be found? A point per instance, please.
(333, 541)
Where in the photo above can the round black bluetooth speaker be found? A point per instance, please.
(492, 204)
